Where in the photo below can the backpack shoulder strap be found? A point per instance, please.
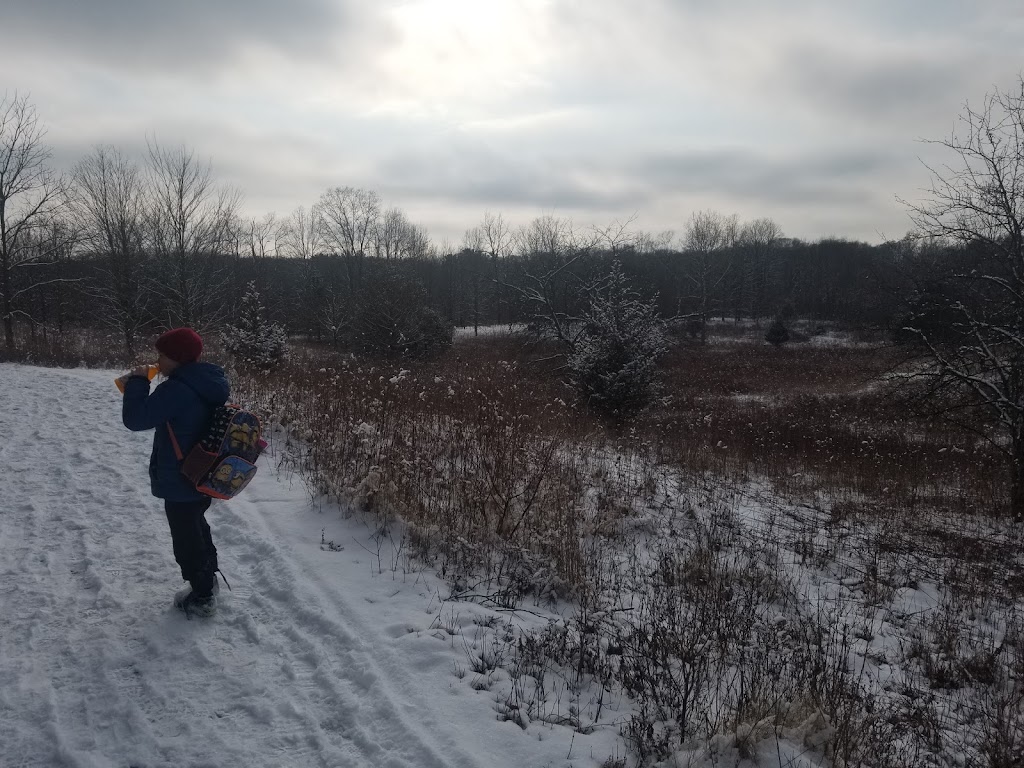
(174, 443)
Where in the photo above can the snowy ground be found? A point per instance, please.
(467, 331)
(320, 656)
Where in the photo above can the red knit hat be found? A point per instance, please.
(182, 345)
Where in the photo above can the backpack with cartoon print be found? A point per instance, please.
(223, 462)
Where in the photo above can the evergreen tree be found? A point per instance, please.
(613, 359)
(255, 341)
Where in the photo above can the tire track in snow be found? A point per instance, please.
(333, 661)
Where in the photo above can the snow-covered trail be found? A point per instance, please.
(309, 662)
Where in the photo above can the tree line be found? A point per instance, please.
(138, 246)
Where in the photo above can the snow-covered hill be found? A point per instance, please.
(320, 656)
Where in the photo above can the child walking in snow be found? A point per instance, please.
(184, 400)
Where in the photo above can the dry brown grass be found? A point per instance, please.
(486, 445)
(818, 420)
(511, 489)
(470, 451)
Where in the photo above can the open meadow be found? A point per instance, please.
(778, 558)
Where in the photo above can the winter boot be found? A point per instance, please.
(187, 601)
(181, 594)
(192, 604)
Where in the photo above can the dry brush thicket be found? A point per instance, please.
(777, 550)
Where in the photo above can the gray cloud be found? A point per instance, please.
(755, 181)
(184, 35)
(811, 179)
(897, 88)
(468, 173)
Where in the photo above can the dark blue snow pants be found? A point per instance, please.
(193, 545)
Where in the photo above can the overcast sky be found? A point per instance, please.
(806, 111)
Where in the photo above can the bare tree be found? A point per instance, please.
(350, 220)
(302, 234)
(548, 246)
(651, 243)
(471, 259)
(416, 244)
(618, 235)
(395, 237)
(755, 245)
(189, 220)
(263, 236)
(496, 236)
(391, 235)
(302, 238)
(31, 198)
(548, 315)
(494, 239)
(971, 320)
(110, 210)
(546, 235)
(708, 235)
(234, 236)
(47, 303)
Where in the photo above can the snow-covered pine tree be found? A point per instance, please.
(253, 340)
(613, 359)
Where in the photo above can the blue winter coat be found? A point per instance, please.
(185, 400)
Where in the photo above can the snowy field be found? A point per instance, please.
(320, 656)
